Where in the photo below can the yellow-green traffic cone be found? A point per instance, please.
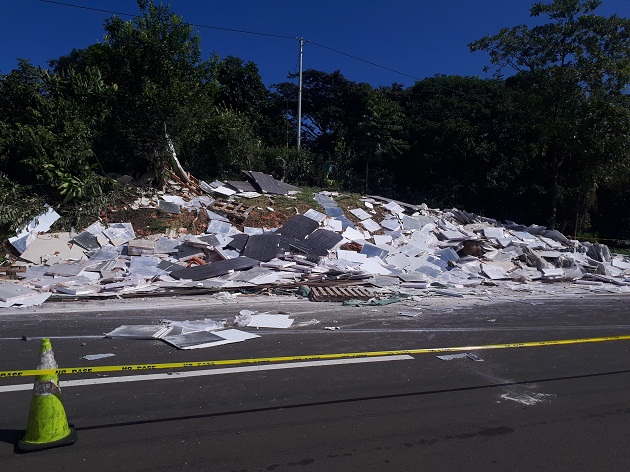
(47, 425)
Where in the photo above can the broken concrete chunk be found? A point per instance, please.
(599, 252)
(553, 273)
(391, 224)
(267, 320)
(64, 270)
(452, 235)
(332, 209)
(371, 250)
(315, 215)
(493, 272)
(219, 227)
(394, 207)
(105, 253)
(333, 224)
(493, 233)
(353, 234)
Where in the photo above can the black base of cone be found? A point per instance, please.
(71, 438)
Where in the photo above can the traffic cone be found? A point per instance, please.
(47, 425)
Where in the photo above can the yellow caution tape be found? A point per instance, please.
(310, 357)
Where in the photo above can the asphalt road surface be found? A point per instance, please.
(561, 408)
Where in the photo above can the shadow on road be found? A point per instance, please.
(339, 401)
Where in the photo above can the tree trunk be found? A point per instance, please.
(367, 175)
(555, 163)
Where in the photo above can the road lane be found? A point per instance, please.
(552, 407)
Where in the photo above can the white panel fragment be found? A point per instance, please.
(371, 225)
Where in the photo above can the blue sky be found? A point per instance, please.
(420, 38)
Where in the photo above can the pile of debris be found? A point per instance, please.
(407, 251)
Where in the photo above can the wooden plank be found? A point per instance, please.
(238, 211)
(340, 293)
(10, 272)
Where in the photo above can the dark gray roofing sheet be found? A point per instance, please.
(169, 207)
(318, 243)
(267, 183)
(87, 241)
(214, 269)
(210, 239)
(238, 243)
(298, 227)
(262, 247)
(242, 185)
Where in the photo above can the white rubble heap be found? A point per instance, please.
(418, 252)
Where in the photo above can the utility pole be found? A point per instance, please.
(299, 125)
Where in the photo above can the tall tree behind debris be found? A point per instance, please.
(570, 75)
(379, 137)
(162, 81)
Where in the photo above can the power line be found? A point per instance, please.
(87, 8)
(192, 24)
(244, 31)
(293, 38)
(363, 60)
(233, 30)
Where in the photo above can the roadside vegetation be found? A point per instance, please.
(543, 141)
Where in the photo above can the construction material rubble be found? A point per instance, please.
(203, 333)
(394, 250)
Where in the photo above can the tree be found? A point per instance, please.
(379, 135)
(331, 105)
(240, 87)
(162, 82)
(50, 123)
(567, 71)
(226, 145)
(459, 136)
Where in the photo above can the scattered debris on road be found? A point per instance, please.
(203, 333)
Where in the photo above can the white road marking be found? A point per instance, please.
(201, 373)
(527, 399)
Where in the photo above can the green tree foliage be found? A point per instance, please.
(379, 139)
(458, 129)
(548, 141)
(331, 106)
(48, 130)
(568, 71)
(19, 204)
(296, 166)
(226, 146)
(155, 62)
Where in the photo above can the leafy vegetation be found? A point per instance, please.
(543, 141)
